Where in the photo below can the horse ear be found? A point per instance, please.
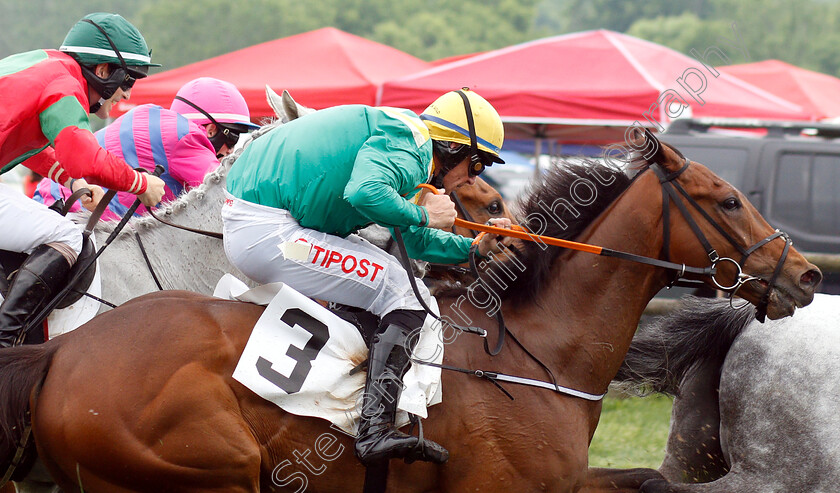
(285, 107)
(648, 148)
(290, 106)
(276, 103)
(293, 109)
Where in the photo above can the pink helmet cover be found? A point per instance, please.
(219, 98)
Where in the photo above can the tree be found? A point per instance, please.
(564, 16)
(30, 25)
(428, 30)
(186, 31)
(802, 33)
(683, 32)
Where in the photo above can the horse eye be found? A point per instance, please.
(731, 204)
(495, 207)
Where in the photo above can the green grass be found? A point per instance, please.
(632, 432)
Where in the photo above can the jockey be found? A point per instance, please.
(46, 96)
(201, 126)
(309, 183)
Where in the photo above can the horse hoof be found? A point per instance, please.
(654, 486)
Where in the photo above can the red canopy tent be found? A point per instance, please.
(320, 68)
(817, 93)
(453, 58)
(589, 86)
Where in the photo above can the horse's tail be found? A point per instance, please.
(700, 332)
(22, 369)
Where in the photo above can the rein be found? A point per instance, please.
(106, 199)
(670, 189)
(21, 456)
(211, 234)
(522, 234)
(493, 377)
(459, 207)
(668, 185)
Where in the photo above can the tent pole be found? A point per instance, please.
(537, 153)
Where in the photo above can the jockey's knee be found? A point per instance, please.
(66, 238)
(69, 252)
(399, 295)
(68, 234)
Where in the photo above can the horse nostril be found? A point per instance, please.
(812, 278)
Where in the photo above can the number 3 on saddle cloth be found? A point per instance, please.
(300, 355)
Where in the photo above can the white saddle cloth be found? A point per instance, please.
(299, 356)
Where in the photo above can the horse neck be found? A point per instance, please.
(180, 259)
(584, 317)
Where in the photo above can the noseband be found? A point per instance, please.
(670, 187)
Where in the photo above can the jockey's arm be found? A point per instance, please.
(373, 190)
(65, 123)
(435, 245)
(376, 181)
(190, 160)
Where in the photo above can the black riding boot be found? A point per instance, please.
(388, 361)
(38, 279)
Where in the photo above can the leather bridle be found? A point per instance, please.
(671, 191)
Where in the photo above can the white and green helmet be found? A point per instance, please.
(89, 46)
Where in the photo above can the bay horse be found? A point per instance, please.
(141, 399)
(754, 404)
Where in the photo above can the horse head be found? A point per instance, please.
(707, 220)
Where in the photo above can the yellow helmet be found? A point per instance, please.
(447, 121)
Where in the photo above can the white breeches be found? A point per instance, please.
(268, 245)
(26, 224)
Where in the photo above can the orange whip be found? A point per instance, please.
(519, 232)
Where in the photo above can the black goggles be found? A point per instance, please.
(479, 162)
(231, 136)
(132, 73)
(128, 82)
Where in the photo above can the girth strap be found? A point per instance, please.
(20, 457)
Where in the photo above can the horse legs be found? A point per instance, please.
(31, 487)
(693, 453)
(600, 480)
(733, 482)
(37, 481)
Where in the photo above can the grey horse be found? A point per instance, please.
(182, 259)
(756, 405)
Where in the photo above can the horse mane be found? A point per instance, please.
(22, 369)
(211, 179)
(549, 209)
(664, 351)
